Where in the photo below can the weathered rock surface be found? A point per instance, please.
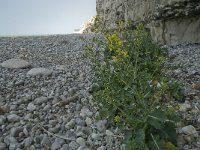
(169, 21)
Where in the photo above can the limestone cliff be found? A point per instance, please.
(169, 21)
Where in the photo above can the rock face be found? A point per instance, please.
(169, 21)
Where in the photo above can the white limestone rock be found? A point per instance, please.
(15, 64)
(39, 71)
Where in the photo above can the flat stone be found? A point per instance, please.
(41, 100)
(185, 107)
(2, 146)
(109, 133)
(2, 120)
(80, 141)
(190, 130)
(55, 146)
(28, 141)
(101, 148)
(13, 118)
(15, 131)
(39, 71)
(88, 121)
(31, 107)
(73, 145)
(101, 125)
(65, 147)
(15, 64)
(46, 140)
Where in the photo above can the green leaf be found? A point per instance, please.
(160, 114)
(140, 138)
(171, 132)
(170, 146)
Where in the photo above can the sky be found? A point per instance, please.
(42, 17)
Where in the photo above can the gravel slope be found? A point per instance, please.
(50, 112)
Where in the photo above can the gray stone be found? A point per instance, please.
(83, 148)
(3, 146)
(101, 148)
(85, 112)
(31, 107)
(185, 107)
(123, 147)
(15, 64)
(41, 100)
(190, 130)
(28, 141)
(55, 146)
(101, 125)
(46, 140)
(73, 145)
(13, 146)
(70, 135)
(13, 118)
(96, 136)
(88, 121)
(65, 147)
(80, 122)
(70, 124)
(39, 71)
(2, 120)
(15, 131)
(59, 140)
(47, 107)
(78, 107)
(80, 141)
(109, 133)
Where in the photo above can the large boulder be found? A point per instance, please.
(169, 21)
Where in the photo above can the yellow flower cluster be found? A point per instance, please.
(115, 47)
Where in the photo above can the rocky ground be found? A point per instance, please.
(184, 62)
(46, 105)
(45, 101)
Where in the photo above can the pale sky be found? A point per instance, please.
(39, 17)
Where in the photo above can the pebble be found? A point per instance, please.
(80, 141)
(101, 125)
(15, 131)
(47, 107)
(80, 122)
(56, 146)
(109, 133)
(46, 140)
(3, 146)
(31, 107)
(88, 121)
(13, 118)
(96, 136)
(101, 148)
(185, 107)
(39, 71)
(27, 142)
(73, 145)
(41, 100)
(65, 147)
(2, 119)
(190, 131)
(70, 124)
